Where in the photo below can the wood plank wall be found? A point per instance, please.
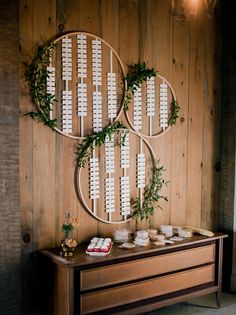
(183, 47)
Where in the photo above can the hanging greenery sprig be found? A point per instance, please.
(174, 113)
(137, 74)
(151, 195)
(36, 74)
(85, 148)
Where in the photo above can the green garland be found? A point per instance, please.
(84, 149)
(137, 74)
(174, 113)
(151, 195)
(36, 74)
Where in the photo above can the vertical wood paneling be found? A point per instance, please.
(72, 16)
(179, 133)
(129, 25)
(217, 92)
(43, 144)
(147, 51)
(139, 31)
(66, 199)
(207, 212)
(110, 33)
(195, 121)
(26, 125)
(129, 44)
(162, 42)
(89, 20)
(211, 124)
(26, 10)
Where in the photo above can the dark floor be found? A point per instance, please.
(194, 307)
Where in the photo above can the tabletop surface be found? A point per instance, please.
(80, 258)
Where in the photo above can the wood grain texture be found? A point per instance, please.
(110, 33)
(99, 277)
(44, 27)
(179, 132)
(26, 10)
(195, 121)
(26, 125)
(129, 24)
(66, 199)
(62, 294)
(89, 20)
(139, 31)
(146, 289)
(211, 122)
(184, 269)
(162, 43)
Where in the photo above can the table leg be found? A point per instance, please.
(219, 275)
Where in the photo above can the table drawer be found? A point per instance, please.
(125, 294)
(141, 268)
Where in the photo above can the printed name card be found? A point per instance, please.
(163, 105)
(94, 178)
(109, 195)
(66, 109)
(138, 109)
(125, 195)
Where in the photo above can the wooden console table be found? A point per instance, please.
(133, 281)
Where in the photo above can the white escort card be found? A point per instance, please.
(82, 99)
(163, 105)
(94, 178)
(110, 154)
(51, 85)
(125, 195)
(138, 109)
(141, 164)
(66, 112)
(109, 194)
(125, 151)
(151, 97)
(111, 95)
(97, 111)
(97, 62)
(66, 51)
(81, 56)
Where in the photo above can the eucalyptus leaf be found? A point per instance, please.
(36, 74)
(151, 195)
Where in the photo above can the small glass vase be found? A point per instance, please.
(66, 251)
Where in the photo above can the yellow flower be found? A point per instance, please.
(71, 243)
(75, 222)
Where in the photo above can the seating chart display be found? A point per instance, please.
(88, 81)
(150, 108)
(87, 78)
(115, 175)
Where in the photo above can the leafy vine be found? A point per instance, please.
(174, 113)
(36, 74)
(151, 195)
(84, 149)
(137, 74)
